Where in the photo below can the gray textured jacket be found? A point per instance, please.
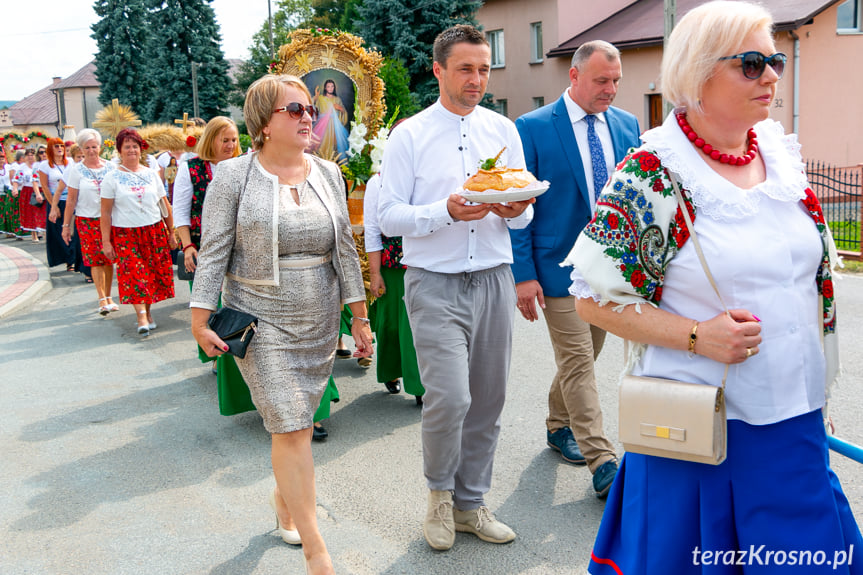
(240, 235)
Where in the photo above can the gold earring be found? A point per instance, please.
(266, 138)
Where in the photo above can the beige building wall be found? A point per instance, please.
(831, 96)
(81, 106)
(640, 79)
(520, 81)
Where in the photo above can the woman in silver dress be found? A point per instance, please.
(275, 224)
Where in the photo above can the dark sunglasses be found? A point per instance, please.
(296, 110)
(755, 62)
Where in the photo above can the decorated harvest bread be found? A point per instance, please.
(498, 179)
(490, 177)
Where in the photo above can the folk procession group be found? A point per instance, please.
(268, 233)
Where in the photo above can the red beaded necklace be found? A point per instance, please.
(715, 154)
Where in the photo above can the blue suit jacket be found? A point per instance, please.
(560, 214)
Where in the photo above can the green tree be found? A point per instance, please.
(121, 58)
(406, 29)
(327, 14)
(289, 15)
(185, 32)
(397, 90)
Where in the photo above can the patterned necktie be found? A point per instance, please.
(597, 158)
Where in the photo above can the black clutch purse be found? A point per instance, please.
(235, 328)
(182, 274)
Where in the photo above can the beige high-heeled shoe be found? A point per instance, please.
(289, 536)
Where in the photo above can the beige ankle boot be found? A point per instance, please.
(439, 528)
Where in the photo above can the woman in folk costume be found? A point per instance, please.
(26, 185)
(637, 274)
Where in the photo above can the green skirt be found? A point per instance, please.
(396, 356)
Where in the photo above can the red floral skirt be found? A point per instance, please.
(90, 234)
(144, 272)
(32, 217)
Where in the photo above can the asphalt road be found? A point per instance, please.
(115, 459)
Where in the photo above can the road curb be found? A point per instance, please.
(23, 279)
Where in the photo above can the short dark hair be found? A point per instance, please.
(451, 36)
(129, 134)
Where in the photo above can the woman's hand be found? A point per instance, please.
(172, 241)
(54, 214)
(362, 334)
(39, 197)
(729, 338)
(212, 345)
(15, 191)
(108, 250)
(377, 285)
(190, 259)
(67, 233)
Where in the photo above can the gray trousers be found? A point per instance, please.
(462, 328)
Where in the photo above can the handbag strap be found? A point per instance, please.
(691, 227)
(697, 245)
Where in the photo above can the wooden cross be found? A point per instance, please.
(185, 122)
(116, 120)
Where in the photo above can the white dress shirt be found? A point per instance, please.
(427, 158)
(579, 128)
(372, 232)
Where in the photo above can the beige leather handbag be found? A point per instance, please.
(669, 418)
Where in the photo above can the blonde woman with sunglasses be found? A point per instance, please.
(276, 232)
(763, 237)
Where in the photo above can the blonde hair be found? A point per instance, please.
(703, 36)
(211, 132)
(261, 100)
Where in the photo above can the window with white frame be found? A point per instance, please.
(495, 40)
(536, 43)
(538, 102)
(848, 17)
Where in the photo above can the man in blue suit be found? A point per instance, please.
(574, 144)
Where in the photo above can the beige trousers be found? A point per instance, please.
(573, 400)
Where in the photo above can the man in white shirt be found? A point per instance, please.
(459, 291)
(574, 144)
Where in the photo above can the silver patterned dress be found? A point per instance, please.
(291, 357)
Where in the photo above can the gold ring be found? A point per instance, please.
(748, 352)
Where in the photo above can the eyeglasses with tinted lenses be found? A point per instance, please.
(296, 110)
(755, 62)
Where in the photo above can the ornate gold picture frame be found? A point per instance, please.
(342, 77)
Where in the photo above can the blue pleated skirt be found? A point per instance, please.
(773, 506)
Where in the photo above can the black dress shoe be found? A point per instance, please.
(343, 353)
(319, 433)
(419, 399)
(393, 386)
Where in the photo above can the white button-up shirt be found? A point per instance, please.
(372, 231)
(579, 128)
(429, 157)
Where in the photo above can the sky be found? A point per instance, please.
(53, 37)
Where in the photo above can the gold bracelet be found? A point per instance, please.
(693, 337)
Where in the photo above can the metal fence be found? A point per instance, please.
(839, 191)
